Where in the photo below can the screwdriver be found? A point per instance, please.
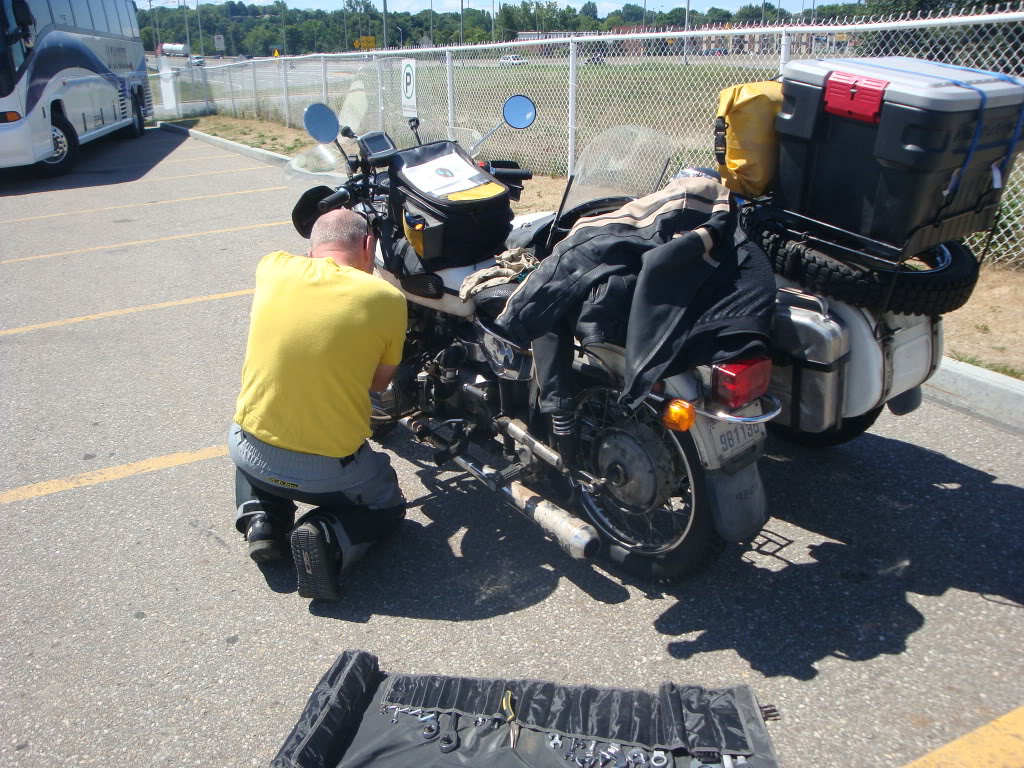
(509, 714)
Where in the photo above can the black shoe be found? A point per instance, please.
(266, 542)
(315, 554)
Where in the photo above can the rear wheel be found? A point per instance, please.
(138, 126)
(653, 512)
(65, 147)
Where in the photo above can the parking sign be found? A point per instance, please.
(218, 42)
(409, 88)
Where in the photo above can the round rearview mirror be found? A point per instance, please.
(519, 112)
(321, 123)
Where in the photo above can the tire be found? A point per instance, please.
(942, 281)
(850, 428)
(65, 141)
(683, 539)
(138, 127)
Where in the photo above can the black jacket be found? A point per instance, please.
(690, 261)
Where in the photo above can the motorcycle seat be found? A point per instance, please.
(491, 301)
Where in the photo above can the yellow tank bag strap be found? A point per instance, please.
(746, 145)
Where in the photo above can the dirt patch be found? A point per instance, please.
(541, 193)
(989, 329)
(254, 133)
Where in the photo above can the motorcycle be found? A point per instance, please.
(657, 488)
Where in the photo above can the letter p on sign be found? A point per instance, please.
(409, 88)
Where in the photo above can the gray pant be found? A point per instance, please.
(270, 479)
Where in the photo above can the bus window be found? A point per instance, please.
(83, 19)
(99, 16)
(133, 16)
(62, 13)
(41, 12)
(16, 47)
(122, 27)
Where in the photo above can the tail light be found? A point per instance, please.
(736, 384)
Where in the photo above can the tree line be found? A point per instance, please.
(257, 30)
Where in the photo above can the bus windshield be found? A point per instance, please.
(7, 32)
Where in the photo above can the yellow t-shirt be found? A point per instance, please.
(317, 333)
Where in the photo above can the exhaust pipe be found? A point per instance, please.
(577, 538)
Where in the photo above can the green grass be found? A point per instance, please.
(1006, 370)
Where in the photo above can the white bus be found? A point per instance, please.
(70, 72)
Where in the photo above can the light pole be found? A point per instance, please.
(431, 22)
(199, 21)
(462, 20)
(492, 21)
(188, 38)
(401, 37)
(284, 28)
(385, 17)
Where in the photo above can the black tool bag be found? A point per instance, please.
(452, 212)
(361, 716)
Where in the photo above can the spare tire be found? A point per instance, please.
(934, 282)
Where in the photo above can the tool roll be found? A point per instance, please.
(361, 716)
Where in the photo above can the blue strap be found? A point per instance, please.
(1015, 137)
(954, 183)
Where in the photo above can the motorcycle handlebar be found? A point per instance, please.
(341, 197)
(512, 174)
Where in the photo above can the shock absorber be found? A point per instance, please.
(563, 430)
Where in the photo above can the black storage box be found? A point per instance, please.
(452, 212)
(907, 152)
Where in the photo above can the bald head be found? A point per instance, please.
(343, 236)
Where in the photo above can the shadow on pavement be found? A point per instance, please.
(476, 558)
(109, 160)
(900, 518)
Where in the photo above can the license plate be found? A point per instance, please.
(730, 438)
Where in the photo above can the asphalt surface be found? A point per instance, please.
(880, 611)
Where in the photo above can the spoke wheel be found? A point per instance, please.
(651, 509)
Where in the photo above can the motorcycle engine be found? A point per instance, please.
(400, 396)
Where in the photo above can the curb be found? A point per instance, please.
(263, 155)
(979, 392)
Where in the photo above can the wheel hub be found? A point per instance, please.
(60, 145)
(633, 477)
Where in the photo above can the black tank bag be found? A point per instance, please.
(452, 212)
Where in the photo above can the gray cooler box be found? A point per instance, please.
(904, 152)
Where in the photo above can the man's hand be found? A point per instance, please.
(382, 377)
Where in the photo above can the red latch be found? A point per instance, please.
(856, 96)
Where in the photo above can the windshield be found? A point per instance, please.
(7, 65)
(624, 161)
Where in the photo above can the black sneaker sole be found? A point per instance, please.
(266, 551)
(315, 566)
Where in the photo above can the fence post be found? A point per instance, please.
(323, 74)
(255, 96)
(206, 90)
(284, 82)
(451, 94)
(176, 84)
(231, 90)
(572, 105)
(380, 90)
(787, 43)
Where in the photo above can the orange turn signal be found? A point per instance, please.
(9, 117)
(678, 415)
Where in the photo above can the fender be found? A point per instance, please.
(738, 504)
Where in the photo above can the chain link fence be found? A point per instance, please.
(583, 85)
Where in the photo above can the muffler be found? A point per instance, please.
(579, 539)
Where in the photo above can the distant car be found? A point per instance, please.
(198, 61)
(714, 52)
(597, 58)
(511, 60)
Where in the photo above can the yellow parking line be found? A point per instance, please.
(142, 205)
(145, 242)
(206, 173)
(999, 744)
(110, 473)
(127, 311)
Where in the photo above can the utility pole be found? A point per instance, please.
(462, 20)
(157, 22)
(431, 22)
(385, 23)
(199, 21)
(492, 21)
(763, 3)
(188, 39)
(284, 28)
(644, 22)
(344, 22)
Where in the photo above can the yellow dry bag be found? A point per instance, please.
(746, 147)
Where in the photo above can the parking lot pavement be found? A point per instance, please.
(880, 611)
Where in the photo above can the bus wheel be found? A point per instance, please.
(65, 147)
(138, 126)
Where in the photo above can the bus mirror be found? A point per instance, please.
(23, 16)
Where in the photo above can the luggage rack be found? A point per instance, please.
(875, 254)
